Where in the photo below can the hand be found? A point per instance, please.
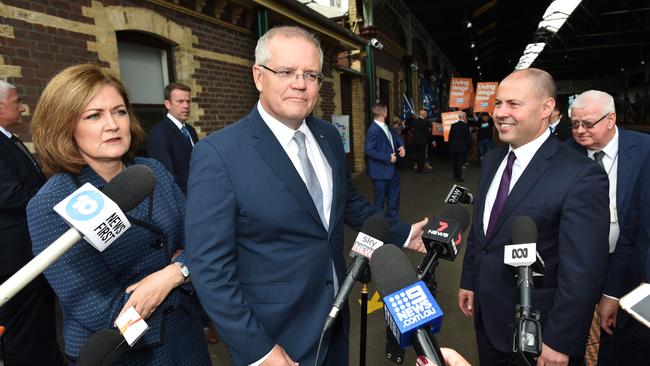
(401, 151)
(466, 301)
(607, 311)
(416, 242)
(393, 158)
(278, 357)
(453, 358)
(152, 290)
(551, 357)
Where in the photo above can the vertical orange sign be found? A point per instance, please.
(448, 119)
(485, 96)
(460, 93)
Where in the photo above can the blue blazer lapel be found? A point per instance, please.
(272, 152)
(627, 163)
(527, 180)
(327, 151)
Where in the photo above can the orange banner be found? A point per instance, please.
(437, 129)
(486, 93)
(460, 93)
(448, 119)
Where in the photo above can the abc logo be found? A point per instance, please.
(520, 253)
(85, 205)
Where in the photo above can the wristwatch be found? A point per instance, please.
(184, 270)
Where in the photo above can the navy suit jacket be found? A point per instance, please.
(168, 145)
(19, 182)
(378, 150)
(627, 265)
(459, 137)
(258, 253)
(566, 195)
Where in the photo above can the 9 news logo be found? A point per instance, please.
(85, 205)
(411, 306)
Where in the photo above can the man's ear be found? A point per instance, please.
(547, 108)
(257, 77)
(168, 104)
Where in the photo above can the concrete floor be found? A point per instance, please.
(421, 195)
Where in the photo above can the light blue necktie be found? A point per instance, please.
(186, 133)
(313, 186)
(390, 137)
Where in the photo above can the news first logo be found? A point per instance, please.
(93, 214)
(409, 309)
(365, 245)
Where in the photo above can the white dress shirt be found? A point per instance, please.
(524, 155)
(5, 132)
(384, 127)
(610, 162)
(180, 125)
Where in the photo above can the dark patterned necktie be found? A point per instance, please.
(598, 158)
(502, 193)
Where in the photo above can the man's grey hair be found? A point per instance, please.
(262, 52)
(597, 98)
(4, 89)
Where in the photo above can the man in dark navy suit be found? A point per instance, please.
(622, 154)
(30, 338)
(565, 194)
(171, 141)
(459, 144)
(382, 148)
(559, 125)
(267, 200)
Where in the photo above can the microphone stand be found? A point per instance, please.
(363, 329)
(527, 341)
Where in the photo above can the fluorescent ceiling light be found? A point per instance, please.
(530, 54)
(557, 13)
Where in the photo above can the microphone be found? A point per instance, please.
(410, 310)
(459, 194)
(98, 219)
(442, 238)
(522, 254)
(103, 348)
(372, 235)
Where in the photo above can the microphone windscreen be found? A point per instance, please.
(376, 226)
(105, 348)
(523, 230)
(131, 186)
(391, 269)
(458, 214)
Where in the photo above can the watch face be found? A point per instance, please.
(185, 271)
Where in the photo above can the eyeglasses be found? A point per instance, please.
(291, 75)
(586, 124)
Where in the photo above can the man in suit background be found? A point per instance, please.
(30, 338)
(565, 194)
(267, 200)
(459, 144)
(559, 125)
(421, 131)
(382, 148)
(171, 140)
(622, 154)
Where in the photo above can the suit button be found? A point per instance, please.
(329, 283)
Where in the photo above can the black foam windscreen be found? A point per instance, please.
(131, 186)
(523, 230)
(103, 348)
(376, 226)
(391, 269)
(458, 214)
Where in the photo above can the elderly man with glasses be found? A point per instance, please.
(622, 154)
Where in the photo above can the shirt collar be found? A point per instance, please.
(6, 133)
(610, 149)
(178, 123)
(282, 132)
(554, 124)
(526, 152)
(380, 123)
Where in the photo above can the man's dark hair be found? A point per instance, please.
(175, 86)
